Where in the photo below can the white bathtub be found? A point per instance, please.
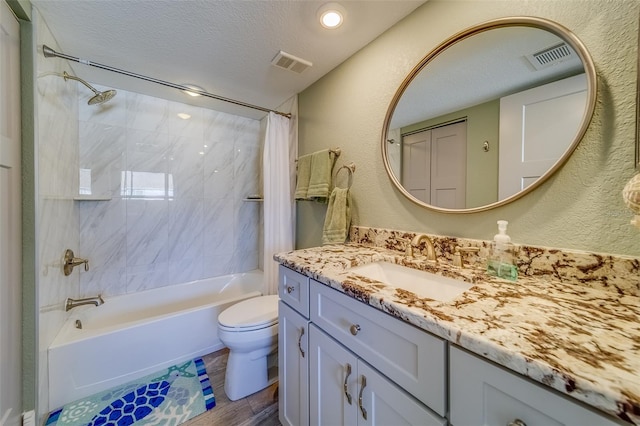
(134, 335)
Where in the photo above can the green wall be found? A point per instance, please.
(579, 207)
(483, 124)
(22, 9)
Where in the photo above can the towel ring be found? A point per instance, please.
(351, 167)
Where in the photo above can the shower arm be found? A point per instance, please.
(67, 76)
(50, 53)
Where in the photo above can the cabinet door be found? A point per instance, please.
(382, 403)
(332, 381)
(293, 367)
(485, 394)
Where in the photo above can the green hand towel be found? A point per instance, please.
(338, 219)
(304, 172)
(320, 178)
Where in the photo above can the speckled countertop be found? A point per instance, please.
(581, 341)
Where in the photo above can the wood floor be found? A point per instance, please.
(259, 409)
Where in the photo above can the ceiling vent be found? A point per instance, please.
(551, 56)
(290, 62)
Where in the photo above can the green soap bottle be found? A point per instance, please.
(502, 261)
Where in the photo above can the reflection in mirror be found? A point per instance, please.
(489, 114)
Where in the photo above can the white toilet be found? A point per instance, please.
(250, 330)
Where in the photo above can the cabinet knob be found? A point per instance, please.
(290, 289)
(354, 329)
(516, 422)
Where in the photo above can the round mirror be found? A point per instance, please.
(489, 114)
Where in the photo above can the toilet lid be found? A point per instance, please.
(251, 313)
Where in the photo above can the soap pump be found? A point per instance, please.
(502, 261)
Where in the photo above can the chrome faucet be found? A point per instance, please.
(431, 251)
(72, 303)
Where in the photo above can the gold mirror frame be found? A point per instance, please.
(522, 21)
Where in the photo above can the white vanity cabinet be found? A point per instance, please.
(293, 357)
(483, 393)
(409, 356)
(345, 390)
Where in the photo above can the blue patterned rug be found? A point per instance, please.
(168, 398)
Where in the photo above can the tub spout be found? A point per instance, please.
(72, 303)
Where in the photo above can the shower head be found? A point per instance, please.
(100, 97)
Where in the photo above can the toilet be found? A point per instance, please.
(250, 330)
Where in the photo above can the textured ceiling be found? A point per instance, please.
(224, 46)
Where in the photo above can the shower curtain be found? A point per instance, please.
(280, 152)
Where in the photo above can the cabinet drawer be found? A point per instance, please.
(293, 289)
(410, 357)
(483, 393)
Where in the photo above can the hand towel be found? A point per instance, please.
(338, 219)
(320, 178)
(304, 172)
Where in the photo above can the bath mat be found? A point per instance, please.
(168, 398)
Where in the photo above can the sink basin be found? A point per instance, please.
(422, 283)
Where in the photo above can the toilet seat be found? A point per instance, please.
(250, 314)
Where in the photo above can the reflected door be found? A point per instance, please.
(435, 165)
(536, 127)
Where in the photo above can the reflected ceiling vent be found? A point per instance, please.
(551, 56)
(290, 62)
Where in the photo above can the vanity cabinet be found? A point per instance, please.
(409, 356)
(483, 393)
(293, 358)
(343, 363)
(345, 390)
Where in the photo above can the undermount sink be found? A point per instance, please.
(422, 283)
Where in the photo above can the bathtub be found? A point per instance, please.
(131, 336)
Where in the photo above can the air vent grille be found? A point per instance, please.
(551, 56)
(289, 62)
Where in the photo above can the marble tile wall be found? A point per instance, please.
(177, 186)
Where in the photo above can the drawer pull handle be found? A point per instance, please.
(290, 289)
(346, 391)
(300, 340)
(516, 422)
(354, 329)
(362, 386)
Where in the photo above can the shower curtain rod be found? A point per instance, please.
(50, 53)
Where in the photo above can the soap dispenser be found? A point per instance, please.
(502, 260)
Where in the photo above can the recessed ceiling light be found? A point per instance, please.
(184, 115)
(195, 91)
(331, 15)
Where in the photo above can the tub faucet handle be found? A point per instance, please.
(70, 262)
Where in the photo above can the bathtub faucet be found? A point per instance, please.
(72, 303)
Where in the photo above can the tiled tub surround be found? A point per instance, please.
(176, 212)
(581, 340)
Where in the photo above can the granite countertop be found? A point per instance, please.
(581, 341)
